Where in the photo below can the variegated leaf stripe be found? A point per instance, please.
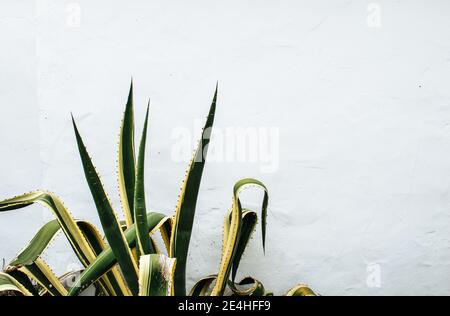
(67, 223)
(156, 275)
(108, 218)
(64, 221)
(248, 286)
(300, 290)
(140, 211)
(113, 282)
(203, 285)
(8, 283)
(249, 220)
(41, 272)
(232, 229)
(187, 200)
(23, 279)
(127, 161)
(106, 260)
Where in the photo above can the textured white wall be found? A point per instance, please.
(358, 90)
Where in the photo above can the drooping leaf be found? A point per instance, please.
(126, 160)
(300, 290)
(28, 259)
(185, 210)
(202, 286)
(232, 232)
(247, 287)
(68, 225)
(156, 275)
(140, 211)
(108, 218)
(38, 244)
(8, 283)
(28, 256)
(249, 220)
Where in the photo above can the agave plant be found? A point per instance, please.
(130, 261)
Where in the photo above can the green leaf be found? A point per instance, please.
(41, 272)
(156, 275)
(106, 260)
(77, 232)
(46, 234)
(108, 219)
(23, 279)
(232, 231)
(112, 283)
(126, 160)
(300, 290)
(185, 211)
(70, 228)
(140, 211)
(202, 286)
(8, 283)
(247, 287)
(249, 220)
(38, 244)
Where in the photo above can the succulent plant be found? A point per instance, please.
(130, 261)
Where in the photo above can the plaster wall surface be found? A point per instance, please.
(355, 94)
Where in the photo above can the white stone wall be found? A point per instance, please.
(357, 92)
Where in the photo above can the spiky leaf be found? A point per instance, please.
(108, 218)
(126, 160)
(232, 231)
(249, 220)
(140, 211)
(106, 260)
(68, 225)
(185, 210)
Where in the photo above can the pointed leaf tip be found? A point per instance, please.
(130, 93)
(74, 124)
(140, 221)
(126, 159)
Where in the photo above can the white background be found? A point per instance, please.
(359, 92)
